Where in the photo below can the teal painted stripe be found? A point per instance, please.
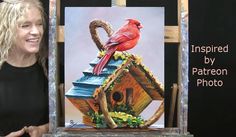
(90, 80)
(105, 72)
(80, 92)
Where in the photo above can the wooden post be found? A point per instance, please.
(119, 3)
(183, 64)
(172, 104)
(53, 63)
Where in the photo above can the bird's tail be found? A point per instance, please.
(103, 61)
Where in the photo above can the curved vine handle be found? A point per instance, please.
(155, 117)
(103, 105)
(94, 33)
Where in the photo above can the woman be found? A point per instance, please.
(23, 75)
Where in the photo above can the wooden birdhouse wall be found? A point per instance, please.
(84, 105)
(137, 96)
(93, 104)
(81, 104)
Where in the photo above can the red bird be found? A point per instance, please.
(123, 39)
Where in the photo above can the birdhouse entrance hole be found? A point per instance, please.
(117, 96)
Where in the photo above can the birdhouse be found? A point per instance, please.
(128, 85)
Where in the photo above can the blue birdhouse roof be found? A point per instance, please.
(86, 85)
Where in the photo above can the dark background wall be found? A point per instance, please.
(46, 9)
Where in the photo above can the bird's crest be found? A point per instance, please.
(136, 22)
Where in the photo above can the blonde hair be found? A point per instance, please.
(11, 11)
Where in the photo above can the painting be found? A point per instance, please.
(114, 67)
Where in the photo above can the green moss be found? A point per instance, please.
(122, 119)
(98, 119)
(122, 55)
(111, 87)
(124, 108)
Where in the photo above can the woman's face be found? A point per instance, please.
(29, 32)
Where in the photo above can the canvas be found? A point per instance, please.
(132, 80)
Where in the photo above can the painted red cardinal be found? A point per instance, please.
(123, 39)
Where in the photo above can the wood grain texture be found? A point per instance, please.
(172, 34)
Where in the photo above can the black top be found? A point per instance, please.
(23, 97)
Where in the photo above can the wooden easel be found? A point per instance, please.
(173, 34)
